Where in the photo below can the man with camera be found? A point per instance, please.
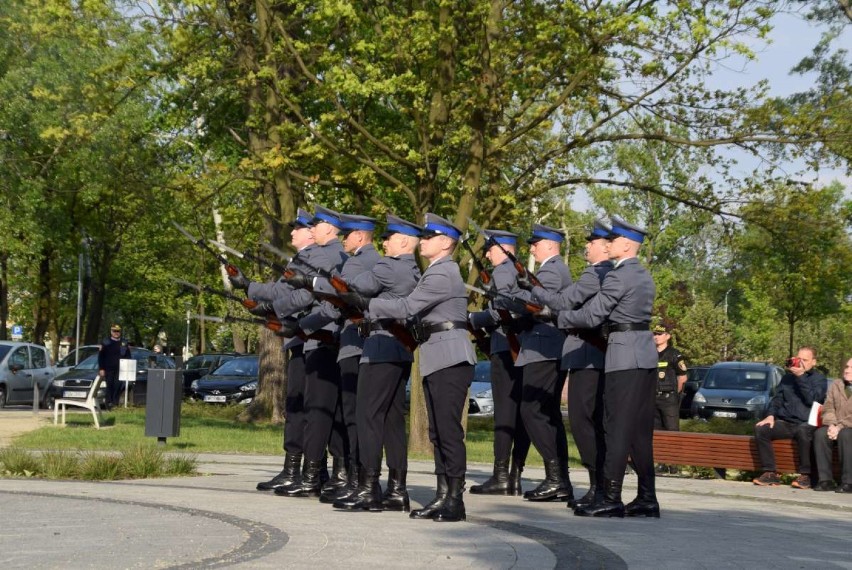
(788, 417)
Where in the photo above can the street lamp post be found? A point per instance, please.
(186, 346)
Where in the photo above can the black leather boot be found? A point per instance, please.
(453, 509)
(589, 498)
(555, 486)
(311, 485)
(339, 479)
(429, 511)
(515, 478)
(352, 482)
(369, 495)
(645, 504)
(289, 474)
(498, 483)
(396, 494)
(609, 505)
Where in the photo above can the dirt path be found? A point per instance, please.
(14, 422)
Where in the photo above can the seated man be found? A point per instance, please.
(788, 417)
(837, 421)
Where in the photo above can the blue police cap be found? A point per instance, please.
(600, 230)
(397, 225)
(540, 232)
(620, 228)
(436, 225)
(303, 219)
(322, 214)
(501, 237)
(352, 222)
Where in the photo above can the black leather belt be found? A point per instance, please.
(445, 326)
(626, 327)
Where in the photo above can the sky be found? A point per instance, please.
(791, 39)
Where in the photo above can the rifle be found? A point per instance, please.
(522, 271)
(524, 305)
(337, 282)
(250, 256)
(272, 324)
(230, 268)
(504, 314)
(247, 303)
(398, 330)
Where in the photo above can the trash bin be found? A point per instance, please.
(164, 392)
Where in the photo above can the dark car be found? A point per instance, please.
(76, 382)
(737, 390)
(233, 382)
(203, 364)
(694, 378)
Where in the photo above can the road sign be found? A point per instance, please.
(17, 332)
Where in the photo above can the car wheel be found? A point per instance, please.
(2, 396)
(48, 401)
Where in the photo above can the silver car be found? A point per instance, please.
(737, 390)
(481, 402)
(22, 366)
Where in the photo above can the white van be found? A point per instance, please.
(23, 364)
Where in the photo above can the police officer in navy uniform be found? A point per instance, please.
(511, 440)
(540, 358)
(583, 357)
(110, 353)
(439, 305)
(357, 232)
(385, 368)
(294, 420)
(624, 306)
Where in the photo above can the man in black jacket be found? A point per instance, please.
(112, 350)
(788, 417)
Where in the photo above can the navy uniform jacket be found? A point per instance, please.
(328, 257)
(112, 351)
(390, 278)
(670, 365)
(576, 352)
(272, 290)
(504, 277)
(544, 342)
(440, 296)
(626, 296)
(795, 396)
(350, 341)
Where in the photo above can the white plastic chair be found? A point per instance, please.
(90, 403)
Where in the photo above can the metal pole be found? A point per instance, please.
(79, 307)
(186, 346)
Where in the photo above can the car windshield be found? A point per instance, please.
(90, 363)
(197, 362)
(238, 367)
(736, 379)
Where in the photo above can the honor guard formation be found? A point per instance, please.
(352, 318)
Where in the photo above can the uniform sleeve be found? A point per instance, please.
(572, 296)
(431, 290)
(595, 312)
(319, 318)
(297, 300)
(371, 283)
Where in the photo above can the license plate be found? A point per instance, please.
(725, 414)
(76, 394)
(218, 399)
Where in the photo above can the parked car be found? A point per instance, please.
(233, 382)
(76, 382)
(203, 364)
(737, 390)
(481, 401)
(23, 364)
(694, 378)
(70, 360)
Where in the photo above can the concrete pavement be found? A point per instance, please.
(219, 520)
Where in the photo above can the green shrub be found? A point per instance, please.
(17, 462)
(142, 462)
(59, 464)
(101, 467)
(180, 465)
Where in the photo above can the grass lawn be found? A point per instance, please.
(214, 429)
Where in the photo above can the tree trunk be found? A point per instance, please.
(272, 381)
(418, 440)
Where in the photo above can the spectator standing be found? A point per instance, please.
(788, 417)
(112, 350)
(837, 421)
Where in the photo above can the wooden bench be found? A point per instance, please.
(723, 451)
